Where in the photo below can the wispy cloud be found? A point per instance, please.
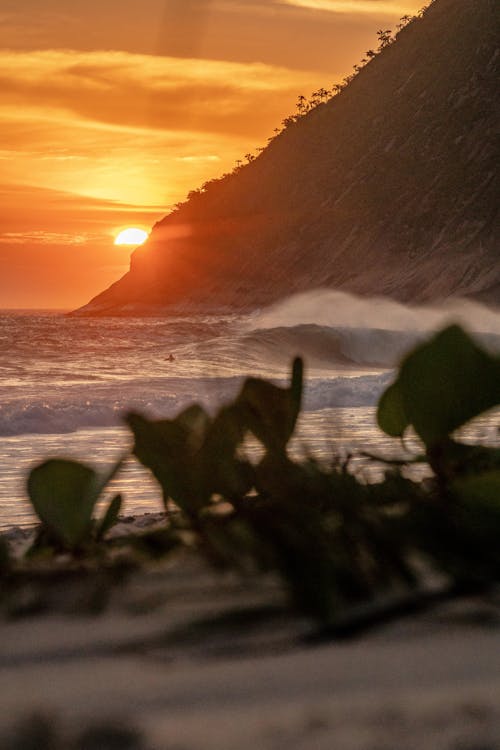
(201, 158)
(42, 237)
(148, 91)
(135, 128)
(354, 7)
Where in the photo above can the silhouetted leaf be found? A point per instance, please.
(101, 481)
(196, 422)
(168, 448)
(110, 517)
(61, 494)
(270, 411)
(222, 471)
(442, 384)
(391, 415)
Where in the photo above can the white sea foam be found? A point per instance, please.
(326, 307)
(61, 374)
(76, 408)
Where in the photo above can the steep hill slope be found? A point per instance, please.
(388, 188)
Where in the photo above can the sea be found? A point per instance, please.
(66, 382)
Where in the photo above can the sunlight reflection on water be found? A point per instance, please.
(323, 434)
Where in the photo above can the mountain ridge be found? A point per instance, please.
(388, 188)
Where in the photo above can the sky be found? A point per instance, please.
(111, 111)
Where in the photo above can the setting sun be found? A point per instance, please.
(131, 236)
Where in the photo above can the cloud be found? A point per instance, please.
(202, 157)
(354, 7)
(33, 216)
(135, 128)
(42, 237)
(321, 35)
(142, 167)
(147, 91)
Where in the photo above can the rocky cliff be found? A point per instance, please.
(390, 187)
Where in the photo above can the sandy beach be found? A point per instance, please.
(195, 660)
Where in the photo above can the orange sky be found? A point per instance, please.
(112, 110)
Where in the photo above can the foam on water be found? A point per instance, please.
(327, 307)
(76, 407)
(59, 374)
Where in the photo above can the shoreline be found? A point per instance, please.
(20, 534)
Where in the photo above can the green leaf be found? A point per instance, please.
(110, 517)
(391, 415)
(102, 480)
(222, 471)
(62, 494)
(169, 449)
(442, 384)
(270, 411)
(447, 382)
(195, 421)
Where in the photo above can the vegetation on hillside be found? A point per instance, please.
(305, 105)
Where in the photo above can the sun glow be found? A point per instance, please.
(131, 236)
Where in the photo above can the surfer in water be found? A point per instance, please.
(170, 358)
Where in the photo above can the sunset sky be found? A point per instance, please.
(112, 110)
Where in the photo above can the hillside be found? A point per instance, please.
(390, 187)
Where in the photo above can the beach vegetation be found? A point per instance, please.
(333, 538)
(337, 542)
(64, 494)
(441, 385)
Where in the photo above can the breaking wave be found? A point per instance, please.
(59, 375)
(77, 408)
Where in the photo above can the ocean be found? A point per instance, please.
(66, 382)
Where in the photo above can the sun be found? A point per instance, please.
(131, 236)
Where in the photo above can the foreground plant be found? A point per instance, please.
(318, 528)
(334, 540)
(442, 385)
(64, 494)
